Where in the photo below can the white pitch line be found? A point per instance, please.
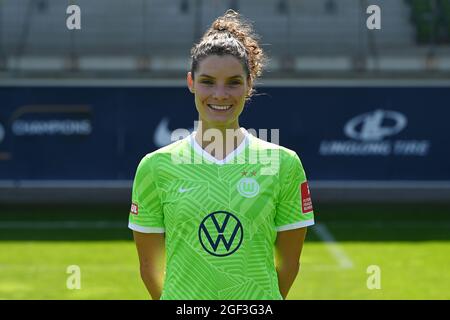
(330, 242)
(392, 224)
(63, 225)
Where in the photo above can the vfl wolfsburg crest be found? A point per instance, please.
(220, 233)
(248, 187)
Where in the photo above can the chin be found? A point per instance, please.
(219, 122)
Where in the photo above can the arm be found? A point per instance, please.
(150, 247)
(288, 248)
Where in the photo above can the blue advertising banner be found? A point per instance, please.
(340, 133)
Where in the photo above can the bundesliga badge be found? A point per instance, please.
(134, 209)
(305, 198)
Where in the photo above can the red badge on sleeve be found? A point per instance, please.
(305, 198)
(134, 209)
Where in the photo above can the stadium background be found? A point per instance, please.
(366, 110)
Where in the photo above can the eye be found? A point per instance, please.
(235, 82)
(207, 82)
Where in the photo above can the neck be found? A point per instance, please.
(219, 141)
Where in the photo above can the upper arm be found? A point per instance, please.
(150, 247)
(288, 246)
(146, 217)
(294, 207)
(146, 214)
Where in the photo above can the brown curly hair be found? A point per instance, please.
(231, 34)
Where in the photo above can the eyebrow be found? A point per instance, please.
(232, 77)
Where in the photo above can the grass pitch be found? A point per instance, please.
(409, 244)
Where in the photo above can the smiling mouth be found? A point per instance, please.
(219, 108)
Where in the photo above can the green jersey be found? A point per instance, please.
(220, 217)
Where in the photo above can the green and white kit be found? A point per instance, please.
(220, 217)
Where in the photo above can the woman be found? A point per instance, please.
(229, 223)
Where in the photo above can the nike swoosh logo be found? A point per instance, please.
(163, 135)
(181, 190)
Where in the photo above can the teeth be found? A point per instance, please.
(216, 107)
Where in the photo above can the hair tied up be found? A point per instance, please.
(218, 39)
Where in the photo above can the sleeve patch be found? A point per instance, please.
(305, 198)
(134, 209)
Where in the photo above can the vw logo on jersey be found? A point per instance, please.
(376, 125)
(220, 233)
(248, 187)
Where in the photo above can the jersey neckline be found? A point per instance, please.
(206, 155)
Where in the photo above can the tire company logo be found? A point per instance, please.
(369, 132)
(370, 126)
(221, 239)
(248, 187)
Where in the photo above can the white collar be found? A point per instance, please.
(206, 155)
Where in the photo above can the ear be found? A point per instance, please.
(190, 82)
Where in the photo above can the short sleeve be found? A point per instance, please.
(294, 206)
(146, 213)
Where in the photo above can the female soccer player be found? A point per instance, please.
(228, 221)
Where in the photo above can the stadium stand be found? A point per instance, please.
(156, 35)
(146, 43)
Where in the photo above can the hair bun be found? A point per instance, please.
(227, 22)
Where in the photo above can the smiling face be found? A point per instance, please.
(220, 88)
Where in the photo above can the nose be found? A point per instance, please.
(220, 92)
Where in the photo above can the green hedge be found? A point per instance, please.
(431, 23)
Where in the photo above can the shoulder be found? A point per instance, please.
(285, 155)
(151, 160)
(276, 159)
(167, 151)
